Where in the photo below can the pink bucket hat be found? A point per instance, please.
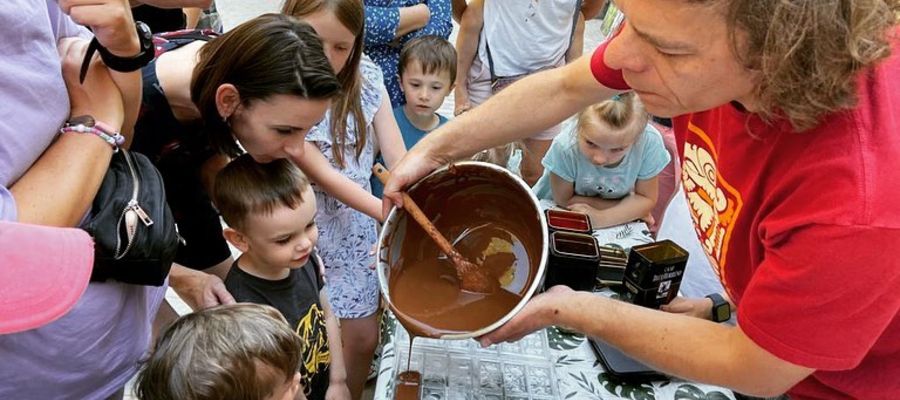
(43, 272)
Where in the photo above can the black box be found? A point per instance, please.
(654, 273)
(573, 261)
(568, 221)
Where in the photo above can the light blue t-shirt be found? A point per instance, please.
(644, 160)
(411, 136)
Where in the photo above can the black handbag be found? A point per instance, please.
(132, 225)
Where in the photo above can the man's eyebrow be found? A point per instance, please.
(662, 43)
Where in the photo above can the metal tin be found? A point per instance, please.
(654, 272)
(574, 258)
(393, 234)
(568, 221)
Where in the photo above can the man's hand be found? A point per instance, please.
(699, 308)
(198, 289)
(110, 20)
(539, 313)
(417, 163)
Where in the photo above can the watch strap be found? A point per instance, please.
(721, 308)
(116, 63)
(86, 62)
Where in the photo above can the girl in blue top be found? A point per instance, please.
(606, 164)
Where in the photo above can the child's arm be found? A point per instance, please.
(384, 24)
(589, 10)
(577, 45)
(319, 170)
(467, 49)
(337, 380)
(458, 7)
(387, 133)
(636, 205)
(563, 190)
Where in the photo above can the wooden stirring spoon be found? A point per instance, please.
(471, 277)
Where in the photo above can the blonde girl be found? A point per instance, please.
(606, 163)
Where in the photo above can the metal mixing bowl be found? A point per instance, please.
(393, 234)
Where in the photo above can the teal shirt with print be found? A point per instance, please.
(644, 160)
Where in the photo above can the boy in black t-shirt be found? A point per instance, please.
(270, 210)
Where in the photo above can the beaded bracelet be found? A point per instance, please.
(87, 124)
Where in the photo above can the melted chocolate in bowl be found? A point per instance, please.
(494, 222)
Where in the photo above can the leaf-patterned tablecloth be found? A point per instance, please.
(578, 373)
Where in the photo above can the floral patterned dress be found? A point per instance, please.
(346, 236)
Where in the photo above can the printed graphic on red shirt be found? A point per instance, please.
(714, 203)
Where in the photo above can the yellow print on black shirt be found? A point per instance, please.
(316, 355)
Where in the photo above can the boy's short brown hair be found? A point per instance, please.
(245, 186)
(239, 351)
(434, 53)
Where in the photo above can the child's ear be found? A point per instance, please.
(237, 239)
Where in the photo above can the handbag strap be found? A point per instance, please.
(487, 45)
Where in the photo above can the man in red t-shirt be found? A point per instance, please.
(787, 127)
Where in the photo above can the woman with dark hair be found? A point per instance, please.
(258, 88)
(338, 161)
(785, 114)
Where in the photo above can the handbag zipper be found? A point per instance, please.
(131, 213)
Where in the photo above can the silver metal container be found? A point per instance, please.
(393, 233)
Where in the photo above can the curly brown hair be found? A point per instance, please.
(808, 52)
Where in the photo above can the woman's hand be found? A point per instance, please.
(110, 20)
(98, 96)
(198, 289)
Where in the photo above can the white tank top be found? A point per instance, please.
(526, 35)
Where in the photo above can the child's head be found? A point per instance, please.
(270, 210)
(340, 25)
(245, 79)
(607, 130)
(239, 351)
(427, 72)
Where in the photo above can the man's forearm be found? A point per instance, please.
(528, 106)
(686, 347)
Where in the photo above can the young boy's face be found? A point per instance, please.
(284, 238)
(424, 92)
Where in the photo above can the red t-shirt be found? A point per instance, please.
(801, 228)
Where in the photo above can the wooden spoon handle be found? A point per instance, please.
(413, 209)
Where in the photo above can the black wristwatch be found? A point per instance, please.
(721, 309)
(122, 64)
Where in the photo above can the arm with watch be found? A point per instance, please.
(714, 307)
(123, 45)
(61, 184)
